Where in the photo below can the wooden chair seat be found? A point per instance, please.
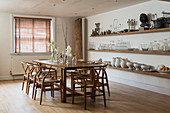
(46, 79)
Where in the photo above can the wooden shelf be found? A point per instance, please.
(135, 51)
(141, 72)
(135, 32)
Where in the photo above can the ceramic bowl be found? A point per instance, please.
(137, 66)
(145, 67)
(130, 65)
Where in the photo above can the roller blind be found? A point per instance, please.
(32, 35)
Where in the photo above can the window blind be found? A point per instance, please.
(32, 34)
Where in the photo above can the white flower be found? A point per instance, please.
(69, 51)
(52, 44)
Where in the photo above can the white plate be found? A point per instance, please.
(164, 72)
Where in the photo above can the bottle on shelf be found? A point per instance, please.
(155, 46)
(165, 45)
(150, 46)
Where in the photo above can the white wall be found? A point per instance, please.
(6, 39)
(157, 84)
(5, 45)
(59, 32)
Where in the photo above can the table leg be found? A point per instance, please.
(93, 80)
(63, 74)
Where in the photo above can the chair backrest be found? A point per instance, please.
(25, 67)
(41, 74)
(30, 68)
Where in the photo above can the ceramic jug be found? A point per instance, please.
(117, 62)
(123, 63)
(113, 61)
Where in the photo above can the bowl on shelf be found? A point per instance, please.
(144, 47)
(130, 65)
(137, 66)
(145, 67)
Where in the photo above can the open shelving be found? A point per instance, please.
(141, 72)
(135, 32)
(134, 51)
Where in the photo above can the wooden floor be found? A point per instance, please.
(123, 99)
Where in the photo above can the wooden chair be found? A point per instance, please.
(52, 71)
(31, 77)
(101, 74)
(98, 73)
(27, 72)
(46, 80)
(25, 69)
(84, 81)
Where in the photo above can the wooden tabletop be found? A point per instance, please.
(69, 66)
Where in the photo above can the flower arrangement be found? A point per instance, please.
(54, 49)
(69, 51)
(68, 54)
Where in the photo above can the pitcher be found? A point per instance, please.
(113, 61)
(123, 63)
(117, 62)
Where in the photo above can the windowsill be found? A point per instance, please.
(29, 54)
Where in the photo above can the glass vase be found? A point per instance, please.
(52, 57)
(74, 60)
(57, 58)
(61, 60)
(67, 60)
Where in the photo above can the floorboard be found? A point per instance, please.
(123, 99)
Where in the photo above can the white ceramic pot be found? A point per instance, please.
(130, 65)
(117, 62)
(145, 67)
(113, 61)
(123, 63)
(137, 66)
(151, 68)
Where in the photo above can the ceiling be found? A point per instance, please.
(64, 8)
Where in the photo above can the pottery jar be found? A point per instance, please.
(129, 64)
(117, 62)
(113, 61)
(123, 63)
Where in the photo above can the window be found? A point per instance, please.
(32, 35)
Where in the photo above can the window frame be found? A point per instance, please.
(30, 16)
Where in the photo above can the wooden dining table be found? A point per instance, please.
(64, 67)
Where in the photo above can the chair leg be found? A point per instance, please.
(94, 94)
(56, 74)
(73, 88)
(104, 93)
(27, 86)
(107, 82)
(23, 83)
(42, 87)
(36, 91)
(61, 90)
(33, 89)
(53, 90)
(85, 98)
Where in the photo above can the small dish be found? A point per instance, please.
(164, 72)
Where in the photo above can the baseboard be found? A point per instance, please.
(17, 77)
(7, 77)
(142, 86)
(11, 77)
